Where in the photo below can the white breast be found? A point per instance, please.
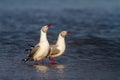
(44, 47)
(42, 52)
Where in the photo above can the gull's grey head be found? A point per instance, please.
(45, 28)
(64, 33)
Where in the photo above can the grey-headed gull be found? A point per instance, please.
(59, 48)
(40, 50)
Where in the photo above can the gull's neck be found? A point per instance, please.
(43, 37)
(61, 40)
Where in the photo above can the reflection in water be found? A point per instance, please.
(42, 68)
(46, 71)
(42, 71)
(59, 70)
(59, 67)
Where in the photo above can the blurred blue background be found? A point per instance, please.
(92, 51)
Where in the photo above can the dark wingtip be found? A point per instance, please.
(26, 49)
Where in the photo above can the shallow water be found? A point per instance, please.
(92, 51)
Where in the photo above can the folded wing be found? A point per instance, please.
(53, 50)
(33, 51)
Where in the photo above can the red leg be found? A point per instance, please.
(43, 61)
(52, 60)
(36, 62)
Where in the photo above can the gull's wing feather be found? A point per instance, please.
(33, 51)
(54, 50)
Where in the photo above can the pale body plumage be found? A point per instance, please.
(60, 46)
(40, 51)
(43, 49)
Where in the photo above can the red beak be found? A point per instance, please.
(49, 25)
(68, 32)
